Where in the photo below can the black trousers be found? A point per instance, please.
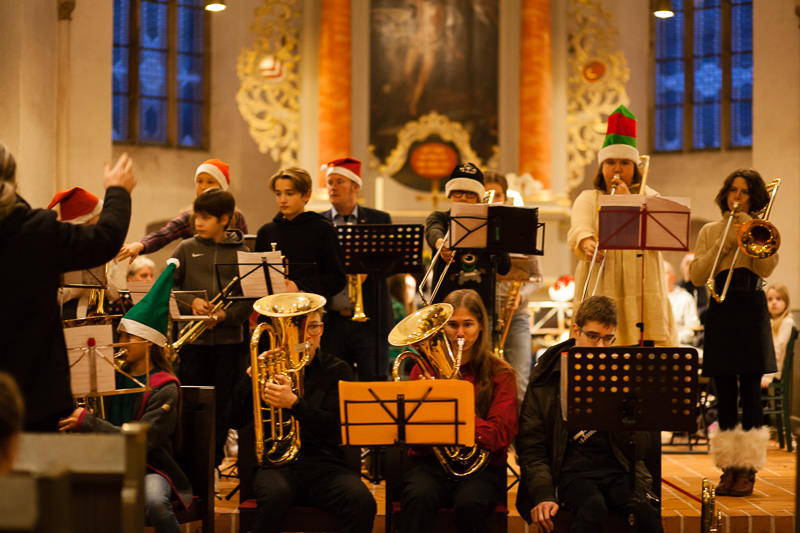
(729, 391)
(594, 494)
(354, 342)
(427, 488)
(315, 483)
(212, 366)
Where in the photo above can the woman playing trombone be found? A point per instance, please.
(621, 275)
(738, 338)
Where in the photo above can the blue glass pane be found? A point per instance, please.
(153, 24)
(707, 126)
(190, 77)
(120, 111)
(707, 79)
(669, 37)
(707, 30)
(742, 123)
(122, 22)
(742, 28)
(190, 124)
(669, 128)
(119, 70)
(152, 120)
(190, 30)
(742, 77)
(670, 83)
(191, 3)
(153, 73)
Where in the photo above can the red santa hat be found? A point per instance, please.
(217, 170)
(76, 205)
(346, 166)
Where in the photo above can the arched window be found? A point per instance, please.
(159, 73)
(704, 76)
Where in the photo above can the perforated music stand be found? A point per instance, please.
(638, 222)
(381, 250)
(631, 389)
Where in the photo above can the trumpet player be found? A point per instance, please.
(427, 486)
(738, 337)
(621, 277)
(318, 476)
(212, 358)
(353, 340)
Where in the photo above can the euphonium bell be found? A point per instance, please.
(423, 332)
(277, 432)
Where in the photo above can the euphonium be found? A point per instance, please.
(356, 295)
(422, 331)
(278, 433)
(191, 331)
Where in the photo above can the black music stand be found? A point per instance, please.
(381, 250)
(630, 388)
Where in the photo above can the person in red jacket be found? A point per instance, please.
(427, 486)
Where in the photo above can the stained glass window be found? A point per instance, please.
(159, 86)
(703, 79)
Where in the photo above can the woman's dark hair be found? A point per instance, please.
(599, 181)
(493, 176)
(215, 202)
(484, 363)
(759, 197)
(12, 412)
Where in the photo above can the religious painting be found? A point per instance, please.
(433, 61)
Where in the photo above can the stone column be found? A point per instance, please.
(65, 8)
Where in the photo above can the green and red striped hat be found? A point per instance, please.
(620, 142)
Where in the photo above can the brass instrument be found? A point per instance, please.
(191, 331)
(710, 518)
(356, 295)
(278, 434)
(505, 315)
(757, 238)
(422, 331)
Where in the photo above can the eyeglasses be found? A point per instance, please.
(594, 337)
(314, 329)
(459, 194)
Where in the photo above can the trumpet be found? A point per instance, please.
(422, 331)
(191, 331)
(278, 434)
(356, 295)
(757, 238)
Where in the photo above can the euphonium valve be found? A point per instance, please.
(277, 432)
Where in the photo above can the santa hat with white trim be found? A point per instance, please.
(217, 170)
(620, 141)
(150, 317)
(466, 177)
(76, 205)
(348, 167)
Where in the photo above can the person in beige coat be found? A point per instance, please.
(621, 278)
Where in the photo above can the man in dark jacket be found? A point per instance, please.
(35, 249)
(317, 475)
(585, 471)
(355, 342)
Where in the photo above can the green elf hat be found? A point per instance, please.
(150, 317)
(620, 140)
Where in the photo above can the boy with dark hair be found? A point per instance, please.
(585, 471)
(212, 359)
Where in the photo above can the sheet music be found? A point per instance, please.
(90, 277)
(138, 289)
(468, 225)
(254, 284)
(80, 365)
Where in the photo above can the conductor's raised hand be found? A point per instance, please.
(121, 175)
(543, 515)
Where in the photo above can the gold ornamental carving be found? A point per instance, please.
(597, 73)
(432, 124)
(269, 94)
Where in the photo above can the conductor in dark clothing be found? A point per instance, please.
(36, 249)
(318, 476)
(353, 341)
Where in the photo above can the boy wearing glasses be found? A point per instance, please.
(318, 476)
(584, 471)
(471, 269)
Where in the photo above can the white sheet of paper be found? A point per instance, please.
(138, 289)
(254, 285)
(469, 232)
(80, 365)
